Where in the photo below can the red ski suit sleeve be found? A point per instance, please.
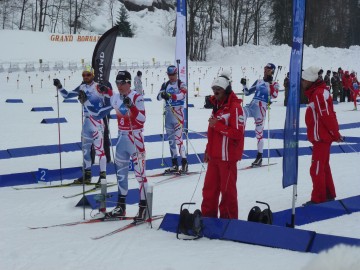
(320, 116)
(226, 137)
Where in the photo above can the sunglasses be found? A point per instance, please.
(216, 88)
(87, 75)
(122, 82)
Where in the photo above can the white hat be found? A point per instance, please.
(310, 74)
(220, 82)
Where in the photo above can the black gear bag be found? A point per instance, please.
(190, 224)
(256, 215)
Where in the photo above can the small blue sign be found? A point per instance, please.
(42, 175)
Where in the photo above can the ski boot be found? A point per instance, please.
(120, 210)
(174, 169)
(258, 161)
(184, 166)
(102, 176)
(142, 215)
(87, 178)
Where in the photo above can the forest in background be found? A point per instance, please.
(329, 23)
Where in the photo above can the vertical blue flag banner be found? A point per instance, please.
(291, 130)
(180, 53)
(103, 55)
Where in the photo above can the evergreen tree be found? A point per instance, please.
(123, 23)
(281, 16)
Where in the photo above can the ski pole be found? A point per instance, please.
(269, 130)
(83, 156)
(163, 139)
(196, 154)
(186, 103)
(196, 132)
(59, 133)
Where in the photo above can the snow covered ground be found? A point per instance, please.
(139, 248)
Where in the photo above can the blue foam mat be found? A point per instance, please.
(26, 151)
(15, 179)
(263, 234)
(351, 204)
(42, 109)
(324, 242)
(53, 120)
(132, 197)
(4, 154)
(309, 214)
(10, 100)
(70, 101)
(268, 235)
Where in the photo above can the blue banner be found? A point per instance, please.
(291, 130)
(180, 52)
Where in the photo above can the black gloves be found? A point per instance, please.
(57, 83)
(82, 97)
(127, 102)
(243, 81)
(165, 95)
(103, 89)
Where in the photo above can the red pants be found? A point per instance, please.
(221, 179)
(355, 93)
(323, 185)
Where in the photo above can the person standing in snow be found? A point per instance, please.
(327, 79)
(336, 86)
(95, 99)
(130, 112)
(173, 92)
(224, 149)
(354, 88)
(322, 130)
(263, 91)
(346, 83)
(286, 87)
(138, 87)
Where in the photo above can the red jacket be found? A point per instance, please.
(226, 138)
(346, 81)
(320, 117)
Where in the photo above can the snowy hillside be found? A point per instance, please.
(142, 247)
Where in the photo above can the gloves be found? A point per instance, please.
(127, 102)
(243, 81)
(165, 96)
(103, 89)
(57, 83)
(82, 97)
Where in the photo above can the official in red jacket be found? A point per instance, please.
(322, 130)
(224, 148)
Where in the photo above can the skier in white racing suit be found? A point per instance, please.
(263, 90)
(95, 99)
(130, 112)
(173, 92)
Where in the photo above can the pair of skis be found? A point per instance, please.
(57, 186)
(104, 219)
(88, 191)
